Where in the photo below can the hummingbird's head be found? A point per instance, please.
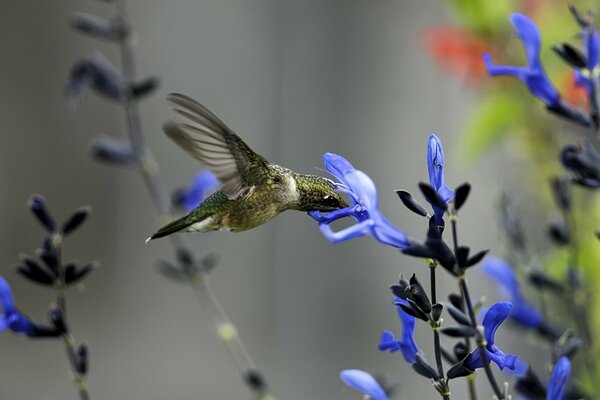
(318, 194)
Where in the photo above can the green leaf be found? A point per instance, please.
(495, 116)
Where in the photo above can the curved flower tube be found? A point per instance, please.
(532, 75)
(12, 318)
(363, 207)
(407, 344)
(435, 168)
(491, 322)
(364, 383)
(558, 380)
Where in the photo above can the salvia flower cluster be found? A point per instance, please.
(47, 269)
(473, 327)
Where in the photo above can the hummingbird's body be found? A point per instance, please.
(253, 190)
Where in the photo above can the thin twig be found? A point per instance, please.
(148, 167)
(471, 312)
(67, 336)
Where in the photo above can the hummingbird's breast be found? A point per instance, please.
(252, 210)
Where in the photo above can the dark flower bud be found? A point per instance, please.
(459, 369)
(436, 311)
(413, 310)
(442, 253)
(411, 203)
(542, 281)
(419, 295)
(462, 255)
(460, 350)
(461, 331)
(40, 332)
(476, 258)
(461, 194)
(75, 220)
(75, 272)
(402, 288)
(571, 113)
(458, 315)
(35, 272)
(185, 257)
(417, 249)
(58, 321)
(143, 88)
(171, 272)
(82, 359)
(432, 197)
(98, 73)
(422, 367)
(559, 233)
(456, 300)
(570, 55)
(578, 17)
(210, 261)
(49, 255)
(113, 151)
(550, 331)
(98, 27)
(584, 163)
(531, 386)
(255, 380)
(37, 204)
(561, 188)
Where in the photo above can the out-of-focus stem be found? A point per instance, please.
(68, 339)
(148, 168)
(471, 312)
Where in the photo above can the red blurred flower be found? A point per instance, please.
(457, 51)
(571, 91)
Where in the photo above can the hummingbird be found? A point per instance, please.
(253, 190)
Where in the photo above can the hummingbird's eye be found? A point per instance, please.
(276, 179)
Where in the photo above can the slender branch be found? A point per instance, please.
(67, 336)
(436, 334)
(148, 167)
(471, 312)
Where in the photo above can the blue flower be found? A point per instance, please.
(502, 273)
(407, 344)
(364, 383)
(591, 44)
(204, 183)
(558, 380)
(363, 207)
(492, 320)
(12, 318)
(435, 167)
(532, 75)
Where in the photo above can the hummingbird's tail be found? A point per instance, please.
(187, 223)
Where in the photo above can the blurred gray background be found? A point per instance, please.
(295, 78)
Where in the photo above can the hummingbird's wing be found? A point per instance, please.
(206, 138)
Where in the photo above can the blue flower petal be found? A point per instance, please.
(204, 183)
(533, 76)
(388, 342)
(364, 383)
(364, 210)
(6, 297)
(591, 45)
(493, 318)
(558, 380)
(435, 162)
(530, 37)
(407, 344)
